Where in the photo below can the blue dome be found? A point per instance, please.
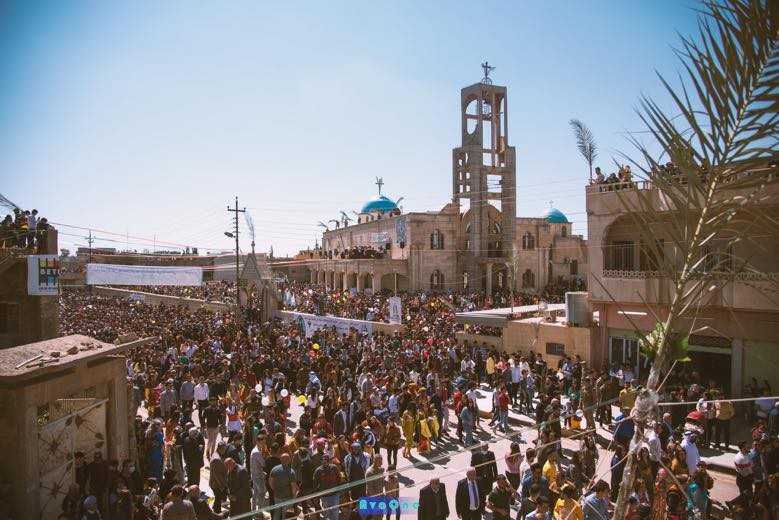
(555, 216)
(379, 203)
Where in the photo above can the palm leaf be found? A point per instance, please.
(724, 144)
(585, 141)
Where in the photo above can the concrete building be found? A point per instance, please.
(470, 242)
(743, 313)
(25, 318)
(52, 407)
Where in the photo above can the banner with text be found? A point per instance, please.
(308, 324)
(395, 310)
(108, 274)
(43, 275)
(380, 238)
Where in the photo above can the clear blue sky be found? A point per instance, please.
(148, 117)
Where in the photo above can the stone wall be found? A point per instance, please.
(156, 299)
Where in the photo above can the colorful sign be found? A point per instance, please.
(43, 275)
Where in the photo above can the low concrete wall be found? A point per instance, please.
(532, 334)
(480, 340)
(376, 326)
(156, 299)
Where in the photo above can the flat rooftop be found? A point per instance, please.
(499, 317)
(83, 347)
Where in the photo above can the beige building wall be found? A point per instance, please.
(742, 316)
(544, 337)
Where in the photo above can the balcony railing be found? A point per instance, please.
(768, 175)
(619, 186)
(738, 277)
(619, 273)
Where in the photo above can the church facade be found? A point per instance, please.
(475, 242)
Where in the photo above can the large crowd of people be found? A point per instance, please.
(212, 392)
(218, 291)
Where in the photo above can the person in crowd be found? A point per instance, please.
(501, 498)
(200, 505)
(326, 477)
(179, 508)
(469, 499)
(238, 487)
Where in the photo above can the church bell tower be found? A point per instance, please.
(484, 174)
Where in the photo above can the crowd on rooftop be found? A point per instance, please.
(212, 392)
(357, 252)
(218, 291)
(24, 229)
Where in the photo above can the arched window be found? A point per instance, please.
(528, 241)
(528, 279)
(500, 279)
(437, 280)
(564, 231)
(437, 240)
(465, 280)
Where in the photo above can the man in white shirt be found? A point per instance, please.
(393, 403)
(516, 377)
(467, 365)
(201, 397)
(656, 451)
(744, 475)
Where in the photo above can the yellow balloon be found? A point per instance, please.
(301, 399)
(316, 346)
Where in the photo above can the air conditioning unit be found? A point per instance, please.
(577, 309)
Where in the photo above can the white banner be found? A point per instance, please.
(309, 323)
(380, 238)
(108, 274)
(395, 310)
(43, 275)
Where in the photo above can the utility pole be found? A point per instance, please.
(89, 241)
(237, 259)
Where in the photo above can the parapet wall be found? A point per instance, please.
(155, 299)
(375, 326)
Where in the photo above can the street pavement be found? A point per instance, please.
(449, 460)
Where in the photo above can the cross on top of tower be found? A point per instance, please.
(487, 69)
(379, 183)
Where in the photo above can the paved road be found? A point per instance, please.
(450, 459)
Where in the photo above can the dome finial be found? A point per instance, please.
(379, 183)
